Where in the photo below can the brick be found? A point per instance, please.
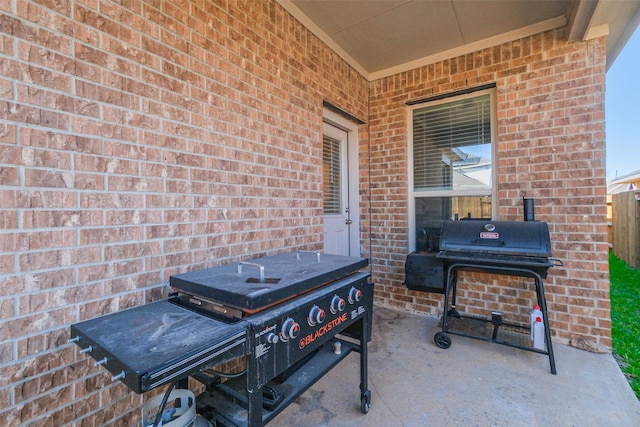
(108, 305)
(6, 42)
(7, 131)
(61, 218)
(36, 323)
(9, 176)
(7, 263)
(50, 239)
(48, 178)
(7, 308)
(6, 356)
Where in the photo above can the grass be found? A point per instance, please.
(625, 319)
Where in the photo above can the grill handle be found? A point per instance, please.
(556, 262)
(489, 242)
(261, 267)
(307, 252)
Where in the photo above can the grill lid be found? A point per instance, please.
(486, 238)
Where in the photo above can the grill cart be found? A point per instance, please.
(511, 248)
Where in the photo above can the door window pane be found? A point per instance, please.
(331, 175)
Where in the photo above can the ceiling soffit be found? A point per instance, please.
(383, 37)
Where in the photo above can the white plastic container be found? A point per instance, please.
(538, 334)
(535, 313)
(185, 409)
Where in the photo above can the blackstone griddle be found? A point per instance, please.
(289, 318)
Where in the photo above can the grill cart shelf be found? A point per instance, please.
(493, 329)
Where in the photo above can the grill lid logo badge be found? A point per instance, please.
(489, 232)
(485, 235)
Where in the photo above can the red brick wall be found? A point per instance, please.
(139, 139)
(550, 147)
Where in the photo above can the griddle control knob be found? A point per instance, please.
(272, 338)
(290, 329)
(316, 315)
(355, 295)
(337, 304)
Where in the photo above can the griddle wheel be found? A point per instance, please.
(442, 340)
(365, 402)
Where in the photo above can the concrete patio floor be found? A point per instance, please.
(473, 383)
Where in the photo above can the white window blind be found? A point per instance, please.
(331, 175)
(452, 145)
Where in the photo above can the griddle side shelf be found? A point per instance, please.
(443, 341)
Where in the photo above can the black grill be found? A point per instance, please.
(510, 244)
(512, 248)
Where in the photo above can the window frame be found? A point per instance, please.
(450, 193)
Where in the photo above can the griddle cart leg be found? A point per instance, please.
(365, 393)
(254, 395)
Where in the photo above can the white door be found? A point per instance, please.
(335, 167)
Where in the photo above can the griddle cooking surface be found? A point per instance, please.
(284, 276)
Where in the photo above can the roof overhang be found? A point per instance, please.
(384, 37)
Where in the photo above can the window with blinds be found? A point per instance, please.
(331, 175)
(452, 145)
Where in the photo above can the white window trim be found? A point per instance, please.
(494, 161)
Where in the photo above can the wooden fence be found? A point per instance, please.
(625, 233)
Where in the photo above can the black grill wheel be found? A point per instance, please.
(365, 402)
(442, 340)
